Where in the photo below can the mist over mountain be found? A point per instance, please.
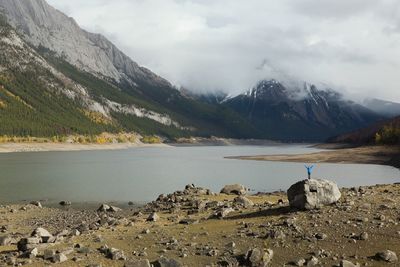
(231, 45)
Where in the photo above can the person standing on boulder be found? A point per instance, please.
(309, 170)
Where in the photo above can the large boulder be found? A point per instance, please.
(313, 194)
(234, 189)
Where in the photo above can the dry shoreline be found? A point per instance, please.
(364, 222)
(47, 147)
(382, 155)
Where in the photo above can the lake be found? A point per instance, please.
(141, 174)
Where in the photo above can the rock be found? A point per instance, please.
(153, 217)
(313, 194)
(65, 203)
(36, 203)
(299, 262)
(138, 263)
(103, 208)
(114, 209)
(107, 208)
(268, 255)
(256, 257)
(386, 255)
(48, 254)
(42, 233)
(321, 236)
(223, 213)
(112, 253)
(244, 202)
(363, 236)
(59, 258)
(234, 189)
(33, 253)
(188, 221)
(6, 240)
(26, 244)
(116, 254)
(345, 263)
(164, 262)
(313, 261)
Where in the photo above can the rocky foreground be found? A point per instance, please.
(195, 227)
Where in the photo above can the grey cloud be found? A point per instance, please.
(231, 44)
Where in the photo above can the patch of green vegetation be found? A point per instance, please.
(152, 139)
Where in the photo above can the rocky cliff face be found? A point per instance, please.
(43, 25)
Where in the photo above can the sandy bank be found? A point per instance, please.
(39, 147)
(361, 155)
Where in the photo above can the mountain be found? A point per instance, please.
(58, 79)
(386, 108)
(388, 132)
(299, 113)
(103, 84)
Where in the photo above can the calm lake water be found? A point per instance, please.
(141, 174)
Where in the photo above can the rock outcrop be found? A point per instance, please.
(313, 194)
(234, 189)
(43, 25)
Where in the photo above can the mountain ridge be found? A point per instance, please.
(106, 85)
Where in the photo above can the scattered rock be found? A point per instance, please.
(48, 254)
(345, 263)
(26, 244)
(6, 240)
(244, 202)
(59, 258)
(65, 203)
(107, 208)
(42, 233)
(299, 262)
(36, 203)
(386, 255)
(153, 217)
(313, 194)
(256, 257)
(234, 189)
(164, 262)
(138, 263)
(223, 213)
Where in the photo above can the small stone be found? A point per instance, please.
(103, 208)
(37, 204)
(345, 263)
(137, 263)
(386, 255)
(363, 236)
(299, 262)
(321, 236)
(6, 240)
(313, 261)
(48, 254)
(42, 233)
(65, 203)
(153, 217)
(243, 201)
(164, 262)
(59, 258)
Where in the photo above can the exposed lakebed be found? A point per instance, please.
(141, 174)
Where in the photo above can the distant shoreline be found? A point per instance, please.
(59, 147)
(381, 155)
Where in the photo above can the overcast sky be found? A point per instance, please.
(351, 45)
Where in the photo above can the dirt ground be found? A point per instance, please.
(329, 234)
